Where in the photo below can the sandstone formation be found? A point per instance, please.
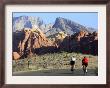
(82, 42)
(33, 39)
(16, 56)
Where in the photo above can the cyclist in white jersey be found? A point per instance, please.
(72, 63)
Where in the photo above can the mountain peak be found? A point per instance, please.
(69, 26)
(61, 24)
(26, 22)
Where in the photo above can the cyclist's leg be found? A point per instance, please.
(74, 65)
(84, 69)
(71, 67)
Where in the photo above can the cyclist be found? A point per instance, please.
(72, 63)
(85, 64)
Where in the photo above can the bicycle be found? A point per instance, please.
(85, 69)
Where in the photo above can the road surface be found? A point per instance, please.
(56, 72)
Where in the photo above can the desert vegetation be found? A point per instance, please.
(53, 61)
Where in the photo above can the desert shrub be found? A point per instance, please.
(47, 61)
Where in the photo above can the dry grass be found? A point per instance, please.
(54, 61)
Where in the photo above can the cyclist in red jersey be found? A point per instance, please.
(85, 64)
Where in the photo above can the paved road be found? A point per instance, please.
(56, 72)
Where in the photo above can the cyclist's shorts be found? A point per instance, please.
(72, 62)
(86, 64)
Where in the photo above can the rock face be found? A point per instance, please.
(61, 24)
(29, 41)
(19, 23)
(67, 26)
(33, 41)
(16, 56)
(26, 22)
(83, 42)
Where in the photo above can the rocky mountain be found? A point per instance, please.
(26, 22)
(33, 41)
(31, 36)
(29, 41)
(83, 42)
(61, 24)
(67, 26)
(46, 27)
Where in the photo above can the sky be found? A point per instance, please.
(89, 19)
